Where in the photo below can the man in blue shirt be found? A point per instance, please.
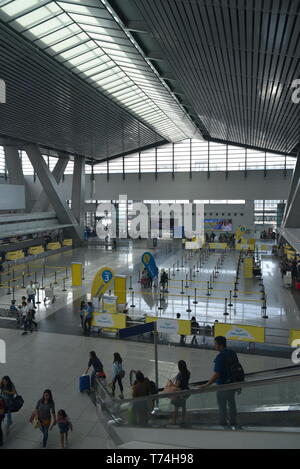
(221, 376)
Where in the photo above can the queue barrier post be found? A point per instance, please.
(132, 300)
(189, 305)
(225, 309)
(195, 302)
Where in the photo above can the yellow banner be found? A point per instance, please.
(120, 289)
(76, 274)
(108, 320)
(14, 255)
(102, 281)
(241, 333)
(248, 267)
(295, 338)
(218, 245)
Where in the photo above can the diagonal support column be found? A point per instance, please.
(78, 190)
(42, 203)
(15, 170)
(63, 213)
(291, 214)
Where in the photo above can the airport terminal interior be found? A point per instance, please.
(149, 204)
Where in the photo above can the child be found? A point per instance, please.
(64, 425)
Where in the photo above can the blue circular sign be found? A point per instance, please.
(106, 276)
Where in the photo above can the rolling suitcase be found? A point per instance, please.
(84, 383)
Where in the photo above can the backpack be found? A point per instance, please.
(235, 371)
(152, 388)
(17, 403)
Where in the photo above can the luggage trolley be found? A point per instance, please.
(49, 295)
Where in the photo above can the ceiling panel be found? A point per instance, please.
(234, 60)
(49, 105)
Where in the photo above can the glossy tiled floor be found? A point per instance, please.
(57, 354)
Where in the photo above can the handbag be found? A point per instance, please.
(34, 420)
(17, 403)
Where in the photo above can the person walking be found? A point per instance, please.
(64, 425)
(182, 383)
(88, 317)
(95, 362)
(31, 308)
(23, 313)
(226, 370)
(28, 318)
(2, 413)
(83, 308)
(45, 408)
(31, 292)
(195, 330)
(164, 279)
(7, 391)
(117, 374)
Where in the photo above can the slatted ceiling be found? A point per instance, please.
(235, 61)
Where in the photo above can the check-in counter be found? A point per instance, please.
(14, 255)
(53, 246)
(36, 250)
(68, 242)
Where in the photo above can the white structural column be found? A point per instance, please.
(51, 188)
(15, 170)
(78, 190)
(291, 215)
(42, 203)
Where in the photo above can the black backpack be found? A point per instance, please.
(235, 371)
(152, 388)
(17, 403)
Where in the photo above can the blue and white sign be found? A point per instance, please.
(167, 326)
(106, 276)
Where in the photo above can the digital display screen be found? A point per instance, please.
(214, 224)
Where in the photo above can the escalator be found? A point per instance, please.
(268, 414)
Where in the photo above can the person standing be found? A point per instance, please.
(140, 409)
(8, 391)
(31, 292)
(88, 317)
(182, 383)
(95, 362)
(31, 308)
(64, 425)
(117, 374)
(44, 409)
(225, 362)
(195, 330)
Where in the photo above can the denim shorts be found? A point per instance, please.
(63, 427)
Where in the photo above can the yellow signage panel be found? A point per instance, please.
(36, 250)
(108, 320)
(14, 255)
(76, 274)
(248, 267)
(294, 338)
(240, 332)
(218, 245)
(102, 281)
(120, 289)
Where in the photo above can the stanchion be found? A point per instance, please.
(182, 292)
(194, 271)
(23, 280)
(230, 304)
(210, 284)
(83, 272)
(262, 289)
(263, 295)
(38, 296)
(8, 288)
(197, 267)
(55, 280)
(225, 310)
(235, 290)
(132, 300)
(64, 284)
(195, 302)
(173, 272)
(13, 293)
(264, 309)
(13, 275)
(189, 305)
(42, 287)
(160, 306)
(208, 293)
(191, 274)
(28, 271)
(182, 262)
(186, 281)
(130, 282)
(67, 273)
(178, 266)
(139, 277)
(44, 270)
